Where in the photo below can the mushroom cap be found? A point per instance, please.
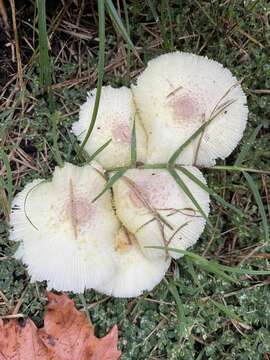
(134, 272)
(143, 195)
(60, 229)
(179, 91)
(115, 118)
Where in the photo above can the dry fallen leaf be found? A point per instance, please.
(66, 335)
(22, 342)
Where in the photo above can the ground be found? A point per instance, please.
(194, 313)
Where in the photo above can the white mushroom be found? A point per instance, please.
(76, 244)
(176, 94)
(115, 119)
(65, 238)
(153, 208)
(134, 273)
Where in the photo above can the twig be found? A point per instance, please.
(16, 316)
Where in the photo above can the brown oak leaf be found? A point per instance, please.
(66, 335)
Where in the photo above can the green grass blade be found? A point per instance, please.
(45, 76)
(25, 202)
(9, 185)
(101, 62)
(228, 312)
(180, 309)
(119, 24)
(214, 269)
(153, 10)
(44, 60)
(45, 66)
(175, 155)
(231, 314)
(153, 166)
(168, 8)
(193, 274)
(83, 157)
(238, 168)
(166, 25)
(246, 147)
(111, 182)
(98, 151)
(253, 187)
(133, 147)
(128, 31)
(218, 111)
(4, 205)
(213, 264)
(209, 190)
(186, 190)
(236, 270)
(207, 265)
(55, 148)
(162, 21)
(201, 262)
(84, 304)
(202, 8)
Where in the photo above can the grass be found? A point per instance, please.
(209, 306)
(101, 60)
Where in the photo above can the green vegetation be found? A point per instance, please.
(208, 307)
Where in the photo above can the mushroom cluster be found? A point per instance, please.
(120, 242)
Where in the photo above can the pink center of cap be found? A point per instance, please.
(184, 106)
(80, 212)
(154, 189)
(121, 133)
